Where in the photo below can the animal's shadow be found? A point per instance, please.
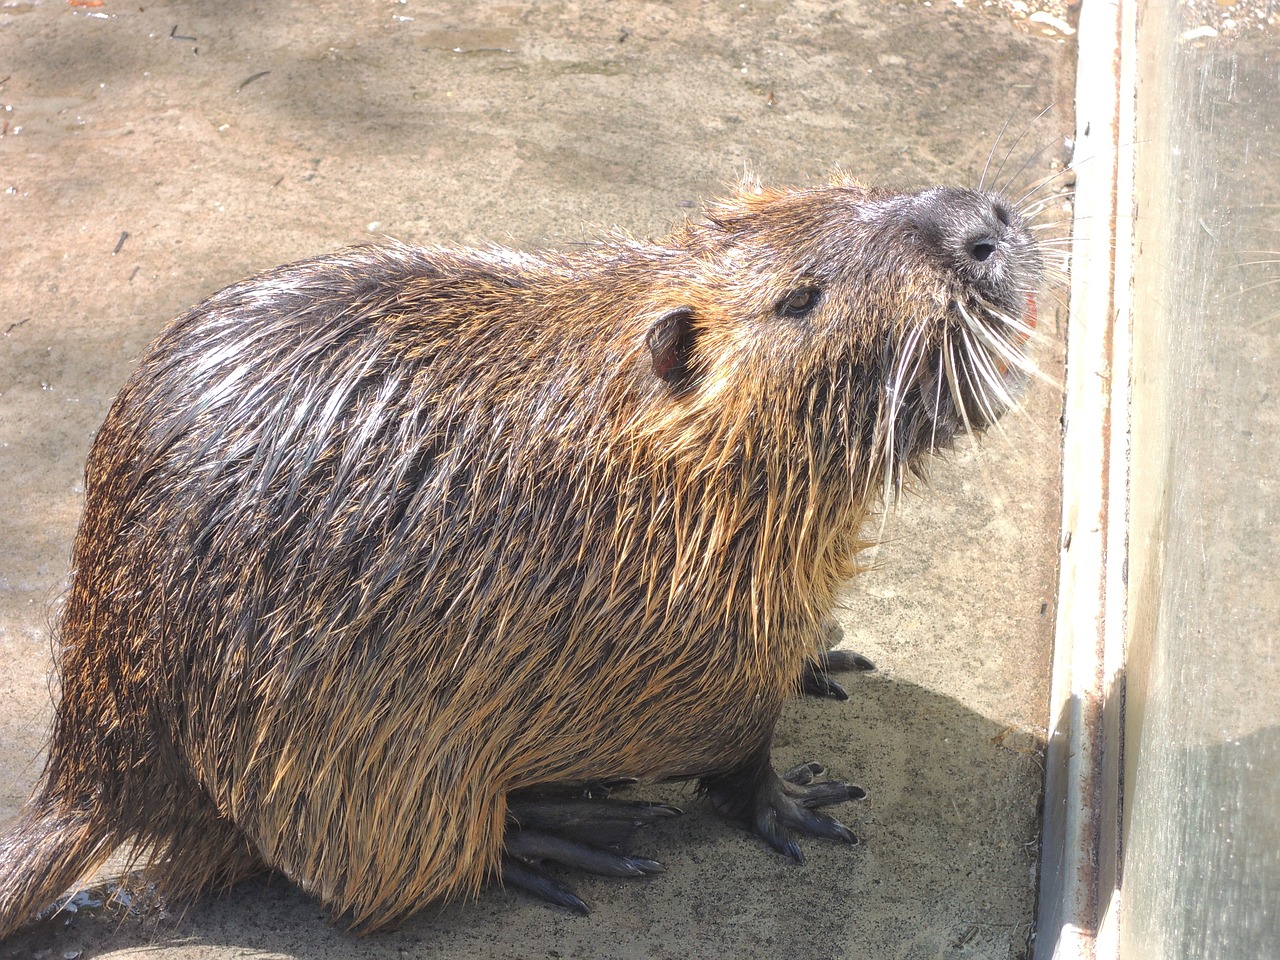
(935, 772)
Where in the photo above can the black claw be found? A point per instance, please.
(531, 880)
(663, 810)
(844, 661)
(815, 683)
(772, 805)
(533, 845)
(613, 782)
(804, 773)
(768, 828)
(814, 679)
(819, 825)
(552, 824)
(822, 793)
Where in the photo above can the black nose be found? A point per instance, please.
(984, 225)
(970, 232)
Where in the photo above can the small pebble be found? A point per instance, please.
(1053, 23)
(1197, 33)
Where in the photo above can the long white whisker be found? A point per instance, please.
(1040, 184)
(893, 469)
(984, 364)
(1025, 163)
(1033, 210)
(937, 391)
(987, 382)
(992, 152)
(1013, 357)
(978, 359)
(953, 382)
(1014, 146)
(904, 370)
(975, 367)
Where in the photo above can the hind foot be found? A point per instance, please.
(592, 835)
(772, 806)
(815, 680)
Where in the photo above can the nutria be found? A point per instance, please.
(382, 547)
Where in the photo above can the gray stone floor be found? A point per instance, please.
(154, 152)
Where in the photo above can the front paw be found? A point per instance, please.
(773, 806)
(815, 679)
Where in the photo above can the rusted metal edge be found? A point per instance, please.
(1080, 840)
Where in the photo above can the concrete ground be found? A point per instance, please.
(153, 152)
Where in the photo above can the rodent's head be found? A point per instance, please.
(886, 323)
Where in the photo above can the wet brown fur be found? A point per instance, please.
(372, 540)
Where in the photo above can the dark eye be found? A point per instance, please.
(799, 301)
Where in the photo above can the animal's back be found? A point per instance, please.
(346, 527)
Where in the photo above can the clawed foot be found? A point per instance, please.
(592, 835)
(815, 680)
(772, 806)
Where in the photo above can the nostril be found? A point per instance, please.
(981, 249)
(972, 232)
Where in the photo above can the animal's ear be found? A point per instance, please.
(671, 340)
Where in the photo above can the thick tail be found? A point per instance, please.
(43, 855)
